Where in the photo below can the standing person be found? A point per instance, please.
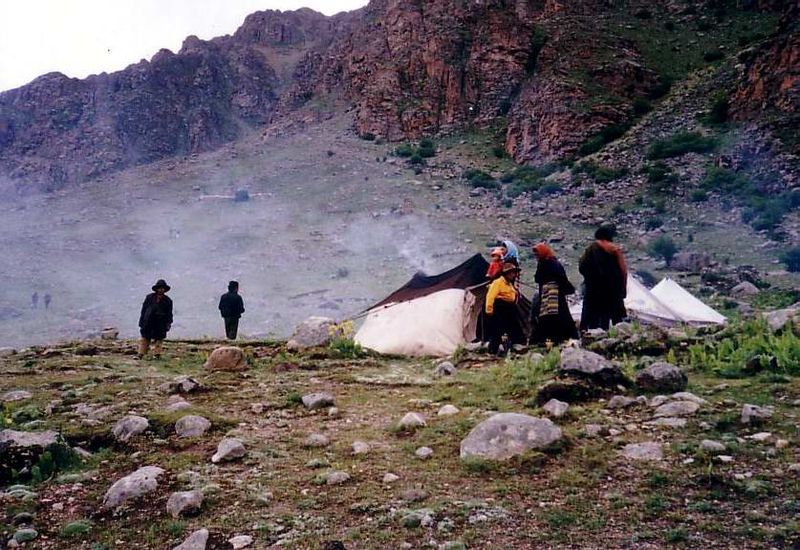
(606, 277)
(231, 306)
(155, 319)
(554, 322)
(35, 300)
(47, 299)
(501, 310)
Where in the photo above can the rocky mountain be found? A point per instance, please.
(548, 76)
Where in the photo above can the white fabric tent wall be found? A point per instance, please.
(679, 300)
(435, 325)
(642, 304)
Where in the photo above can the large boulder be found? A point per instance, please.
(141, 482)
(184, 503)
(780, 318)
(661, 377)
(191, 426)
(21, 450)
(226, 358)
(318, 400)
(506, 435)
(690, 261)
(128, 427)
(196, 541)
(745, 289)
(583, 364)
(229, 449)
(313, 332)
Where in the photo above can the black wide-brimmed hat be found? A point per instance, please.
(161, 283)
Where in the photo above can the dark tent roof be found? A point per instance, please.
(470, 273)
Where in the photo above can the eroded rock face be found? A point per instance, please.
(133, 486)
(506, 435)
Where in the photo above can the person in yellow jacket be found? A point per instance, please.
(501, 310)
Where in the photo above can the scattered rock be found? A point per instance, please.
(316, 441)
(181, 384)
(360, 448)
(761, 437)
(20, 450)
(240, 541)
(195, 541)
(711, 446)
(128, 427)
(424, 453)
(555, 408)
(336, 478)
(411, 421)
(313, 332)
(677, 408)
(414, 495)
(192, 426)
(780, 318)
(505, 435)
(584, 364)
(139, 483)
(667, 422)
(445, 368)
(412, 519)
(226, 359)
(448, 410)
(621, 402)
(688, 396)
(690, 261)
(595, 430)
(25, 535)
(745, 289)
(184, 503)
(319, 400)
(229, 449)
(661, 377)
(755, 414)
(16, 395)
(390, 478)
(649, 450)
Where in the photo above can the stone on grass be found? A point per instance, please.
(661, 376)
(782, 317)
(595, 430)
(555, 408)
(667, 422)
(313, 332)
(179, 405)
(506, 435)
(689, 396)
(360, 448)
(25, 535)
(21, 450)
(411, 421)
(229, 449)
(196, 541)
(448, 410)
(753, 414)
(226, 359)
(316, 441)
(133, 486)
(412, 519)
(129, 426)
(390, 478)
(445, 368)
(424, 453)
(584, 364)
(677, 408)
(184, 503)
(16, 395)
(240, 541)
(192, 426)
(620, 402)
(711, 446)
(318, 400)
(181, 384)
(414, 495)
(649, 450)
(336, 478)
(760, 437)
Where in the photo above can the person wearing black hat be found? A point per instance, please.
(605, 275)
(155, 319)
(231, 306)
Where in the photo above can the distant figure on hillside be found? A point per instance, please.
(155, 319)
(231, 306)
(552, 320)
(501, 310)
(47, 299)
(606, 276)
(35, 300)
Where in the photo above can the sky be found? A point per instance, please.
(83, 37)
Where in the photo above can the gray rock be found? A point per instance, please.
(21, 450)
(135, 485)
(181, 384)
(109, 333)
(192, 426)
(661, 376)
(184, 503)
(713, 447)
(744, 289)
(177, 406)
(621, 402)
(316, 441)
(583, 364)
(390, 478)
(226, 359)
(25, 535)
(690, 261)
(445, 368)
(782, 317)
(16, 395)
(649, 450)
(229, 449)
(412, 519)
(128, 427)
(667, 422)
(414, 495)
(595, 430)
(677, 408)
(688, 396)
(336, 478)
(555, 408)
(424, 453)
(196, 541)
(411, 421)
(755, 414)
(448, 410)
(506, 435)
(311, 333)
(360, 448)
(240, 541)
(318, 400)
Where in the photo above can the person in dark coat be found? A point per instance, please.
(552, 320)
(502, 316)
(155, 319)
(606, 278)
(231, 306)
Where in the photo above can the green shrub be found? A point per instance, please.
(662, 88)
(76, 529)
(499, 151)
(427, 148)
(587, 193)
(653, 223)
(479, 178)
(680, 144)
(416, 159)
(347, 348)
(791, 258)
(606, 135)
(663, 248)
(660, 177)
(719, 112)
(777, 298)
(712, 56)
(601, 174)
(699, 195)
(642, 107)
(405, 150)
(550, 189)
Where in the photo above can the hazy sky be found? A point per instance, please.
(83, 37)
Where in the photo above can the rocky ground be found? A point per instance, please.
(333, 448)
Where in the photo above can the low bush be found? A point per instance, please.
(642, 107)
(479, 178)
(660, 177)
(712, 56)
(588, 193)
(605, 136)
(599, 173)
(499, 151)
(699, 195)
(791, 259)
(719, 111)
(653, 223)
(663, 248)
(405, 150)
(680, 144)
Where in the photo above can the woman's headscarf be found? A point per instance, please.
(544, 252)
(512, 253)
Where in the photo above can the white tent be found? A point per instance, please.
(691, 310)
(667, 304)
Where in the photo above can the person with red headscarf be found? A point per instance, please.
(552, 319)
